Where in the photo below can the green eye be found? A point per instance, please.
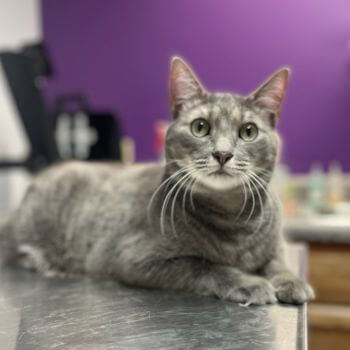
(248, 132)
(200, 128)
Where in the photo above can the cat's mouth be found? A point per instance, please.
(220, 172)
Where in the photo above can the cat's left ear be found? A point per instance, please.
(270, 95)
(183, 84)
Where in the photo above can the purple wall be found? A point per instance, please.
(117, 52)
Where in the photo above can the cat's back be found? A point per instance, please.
(78, 177)
(78, 195)
(69, 207)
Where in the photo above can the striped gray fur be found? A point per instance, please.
(180, 225)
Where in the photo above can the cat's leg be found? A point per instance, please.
(201, 277)
(289, 288)
(33, 258)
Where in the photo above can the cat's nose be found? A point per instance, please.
(222, 157)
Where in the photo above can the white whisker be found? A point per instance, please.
(180, 171)
(260, 202)
(263, 184)
(253, 200)
(184, 198)
(241, 178)
(183, 181)
(191, 193)
(166, 201)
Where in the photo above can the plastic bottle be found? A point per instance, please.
(316, 188)
(335, 185)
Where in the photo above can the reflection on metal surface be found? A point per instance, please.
(38, 313)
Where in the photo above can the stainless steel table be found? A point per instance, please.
(38, 313)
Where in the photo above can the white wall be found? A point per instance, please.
(20, 23)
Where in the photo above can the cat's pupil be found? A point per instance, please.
(249, 130)
(200, 126)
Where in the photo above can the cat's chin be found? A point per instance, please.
(219, 181)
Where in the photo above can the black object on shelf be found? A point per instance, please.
(83, 133)
(66, 132)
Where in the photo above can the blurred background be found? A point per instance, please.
(87, 79)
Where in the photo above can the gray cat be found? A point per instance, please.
(204, 222)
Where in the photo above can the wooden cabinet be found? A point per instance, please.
(329, 314)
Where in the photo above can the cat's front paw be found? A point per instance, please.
(252, 290)
(292, 290)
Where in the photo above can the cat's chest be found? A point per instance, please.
(247, 254)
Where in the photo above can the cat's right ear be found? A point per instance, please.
(184, 85)
(270, 95)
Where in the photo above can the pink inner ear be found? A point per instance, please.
(184, 85)
(271, 94)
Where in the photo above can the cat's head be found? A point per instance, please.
(221, 139)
